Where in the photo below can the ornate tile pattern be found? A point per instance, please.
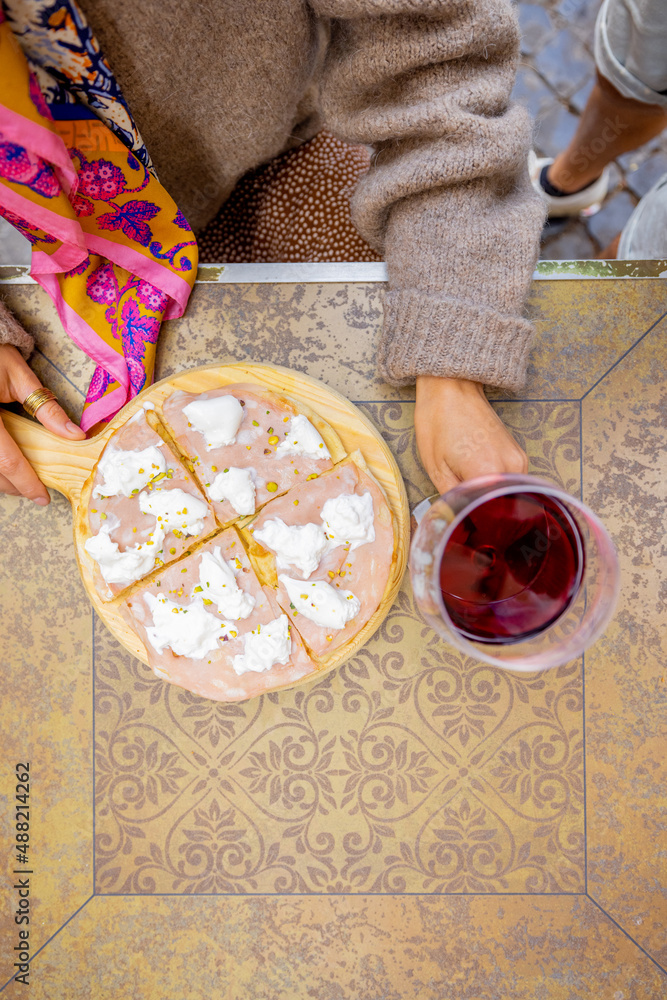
(410, 769)
(493, 834)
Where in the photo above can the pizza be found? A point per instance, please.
(238, 539)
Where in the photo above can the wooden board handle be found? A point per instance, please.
(60, 463)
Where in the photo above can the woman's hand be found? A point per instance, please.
(458, 434)
(17, 381)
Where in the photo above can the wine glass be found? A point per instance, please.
(513, 571)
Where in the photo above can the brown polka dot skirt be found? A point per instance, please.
(295, 208)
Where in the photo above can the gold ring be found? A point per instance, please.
(36, 399)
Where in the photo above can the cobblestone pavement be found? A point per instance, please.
(554, 80)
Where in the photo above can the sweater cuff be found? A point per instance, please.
(438, 335)
(11, 332)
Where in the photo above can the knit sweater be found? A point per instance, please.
(217, 89)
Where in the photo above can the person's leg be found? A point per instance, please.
(610, 252)
(610, 125)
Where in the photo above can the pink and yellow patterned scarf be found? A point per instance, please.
(109, 245)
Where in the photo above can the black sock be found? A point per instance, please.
(552, 190)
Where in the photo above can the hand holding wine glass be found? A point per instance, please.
(459, 435)
(514, 571)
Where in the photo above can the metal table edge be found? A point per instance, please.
(372, 272)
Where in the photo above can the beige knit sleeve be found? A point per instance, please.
(11, 332)
(448, 199)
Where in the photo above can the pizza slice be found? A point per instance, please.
(247, 445)
(209, 626)
(328, 548)
(140, 509)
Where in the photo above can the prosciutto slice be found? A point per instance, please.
(362, 571)
(266, 423)
(122, 517)
(213, 674)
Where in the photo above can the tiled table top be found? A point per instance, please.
(415, 824)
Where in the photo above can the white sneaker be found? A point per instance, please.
(586, 202)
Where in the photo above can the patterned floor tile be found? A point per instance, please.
(352, 948)
(583, 329)
(625, 477)
(46, 706)
(284, 325)
(442, 775)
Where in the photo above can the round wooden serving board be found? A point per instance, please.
(67, 466)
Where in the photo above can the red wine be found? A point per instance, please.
(511, 568)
